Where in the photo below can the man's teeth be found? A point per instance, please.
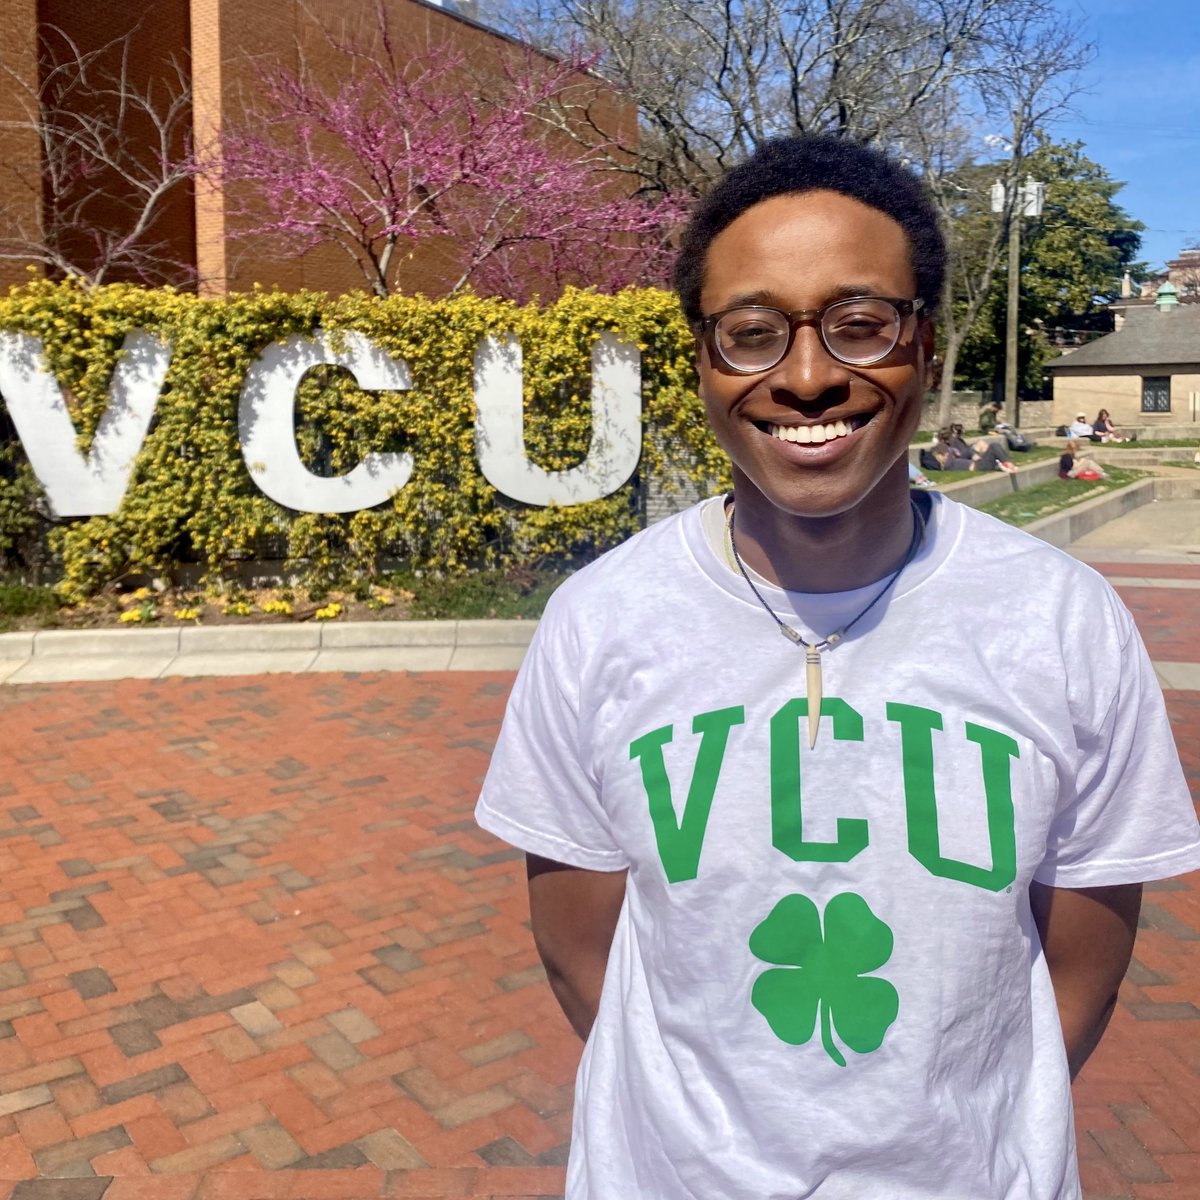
(809, 434)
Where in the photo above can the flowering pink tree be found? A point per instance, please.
(401, 148)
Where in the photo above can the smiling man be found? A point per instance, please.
(835, 921)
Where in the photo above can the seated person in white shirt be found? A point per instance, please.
(1080, 428)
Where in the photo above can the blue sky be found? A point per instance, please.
(1140, 113)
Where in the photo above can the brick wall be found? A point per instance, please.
(20, 157)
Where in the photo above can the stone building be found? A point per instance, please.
(1146, 373)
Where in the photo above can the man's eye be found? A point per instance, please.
(752, 334)
(859, 326)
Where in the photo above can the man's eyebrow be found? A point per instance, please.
(765, 298)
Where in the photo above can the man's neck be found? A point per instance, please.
(825, 554)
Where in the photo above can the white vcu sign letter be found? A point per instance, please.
(500, 425)
(267, 425)
(78, 485)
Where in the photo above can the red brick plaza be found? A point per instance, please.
(252, 945)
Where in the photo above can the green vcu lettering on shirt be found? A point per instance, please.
(680, 839)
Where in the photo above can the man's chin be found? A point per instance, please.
(824, 494)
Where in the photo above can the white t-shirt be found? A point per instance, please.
(1080, 429)
(825, 979)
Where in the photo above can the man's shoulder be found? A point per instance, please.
(625, 570)
(1001, 547)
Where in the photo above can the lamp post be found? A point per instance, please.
(1029, 201)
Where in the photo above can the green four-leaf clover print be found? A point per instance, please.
(825, 973)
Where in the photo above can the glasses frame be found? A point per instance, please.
(706, 328)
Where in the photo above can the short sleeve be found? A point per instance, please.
(1129, 817)
(539, 794)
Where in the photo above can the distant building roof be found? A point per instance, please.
(1148, 338)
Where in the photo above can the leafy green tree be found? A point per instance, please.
(1072, 261)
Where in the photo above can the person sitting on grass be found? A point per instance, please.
(1103, 428)
(989, 457)
(1072, 466)
(955, 437)
(989, 414)
(951, 453)
(1080, 428)
(942, 456)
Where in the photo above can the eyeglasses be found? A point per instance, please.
(859, 332)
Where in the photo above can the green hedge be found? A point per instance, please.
(191, 498)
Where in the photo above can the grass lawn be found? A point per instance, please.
(1037, 454)
(1043, 499)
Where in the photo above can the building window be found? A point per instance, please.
(1156, 393)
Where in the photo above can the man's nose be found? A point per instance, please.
(808, 370)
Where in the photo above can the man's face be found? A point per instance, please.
(802, 252)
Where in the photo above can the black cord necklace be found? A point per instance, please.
(814, 650)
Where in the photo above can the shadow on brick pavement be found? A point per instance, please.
(253, 945)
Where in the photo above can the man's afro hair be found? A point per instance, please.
(811, 163)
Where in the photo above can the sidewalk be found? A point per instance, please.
(253, 946)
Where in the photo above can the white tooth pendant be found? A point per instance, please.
(812, 679)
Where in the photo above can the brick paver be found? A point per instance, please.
(252, 945)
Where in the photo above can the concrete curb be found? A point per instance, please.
(57, 655)
(1062, 528)
(973, 489)
(218, 639)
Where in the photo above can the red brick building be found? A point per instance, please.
(216, 44)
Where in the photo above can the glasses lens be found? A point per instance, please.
(861, 331)
(752, 339)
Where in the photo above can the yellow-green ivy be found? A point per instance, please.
(191, 498)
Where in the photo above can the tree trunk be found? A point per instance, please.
(954, 339)
(949, 364)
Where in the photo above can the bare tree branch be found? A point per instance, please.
(112, 151)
